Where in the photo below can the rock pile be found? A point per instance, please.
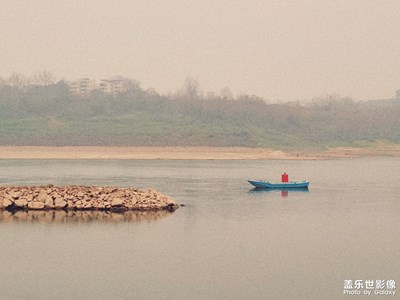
(83, 198)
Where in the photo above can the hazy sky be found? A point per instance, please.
(277, 49)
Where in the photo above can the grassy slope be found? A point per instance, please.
(53, 118)
(136, 130)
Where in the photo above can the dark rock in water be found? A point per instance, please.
(171, 207)
(118, 208)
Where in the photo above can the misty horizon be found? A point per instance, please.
(278, 51)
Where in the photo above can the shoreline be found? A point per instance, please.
(188, 153)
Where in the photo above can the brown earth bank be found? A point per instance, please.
(83, 198)
(189, 153)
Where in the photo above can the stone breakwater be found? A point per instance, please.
(83, 198)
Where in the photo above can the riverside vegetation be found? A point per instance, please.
(46, 114)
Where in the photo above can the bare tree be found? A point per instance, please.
(17, 80)
(43, 78)
(192, 87)
(226, 94)
(152, 92)
(210, 96)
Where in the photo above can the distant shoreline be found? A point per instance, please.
(188, 153)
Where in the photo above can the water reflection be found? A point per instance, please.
(284, 191)
(61, 216)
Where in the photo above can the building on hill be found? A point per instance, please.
(114, 86)
(82, 87)
(397, 94)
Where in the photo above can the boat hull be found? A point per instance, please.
(283, 185)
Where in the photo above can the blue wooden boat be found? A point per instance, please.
(281, 185)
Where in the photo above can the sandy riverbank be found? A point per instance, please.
(195, 153)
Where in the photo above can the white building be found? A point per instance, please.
(114, 86)
(82, 87)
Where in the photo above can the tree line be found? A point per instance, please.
(42, 111)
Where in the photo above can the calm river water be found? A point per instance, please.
(228, 242)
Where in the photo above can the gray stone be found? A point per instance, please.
(7, 196)
(49, 203)
(36, 205)
(15, 195)
(70, 204)
(42, 196)
(117, 202)
(60, 203)
(21, 202)
(7, 202)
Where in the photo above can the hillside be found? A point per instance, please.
(50, 116)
